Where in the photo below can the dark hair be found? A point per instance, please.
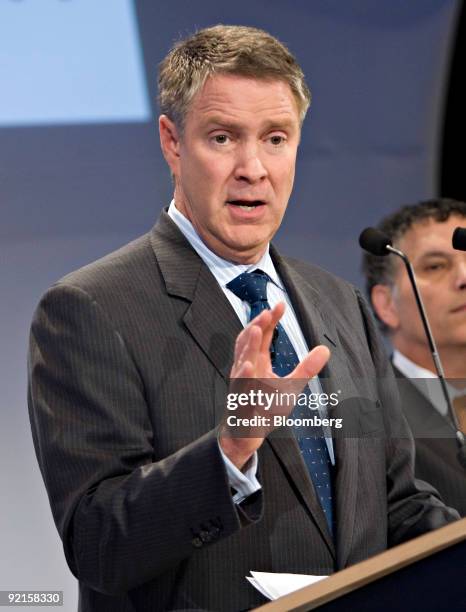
(381, 270)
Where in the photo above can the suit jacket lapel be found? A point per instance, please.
(318, 327)
(424, 419)
(209, 318)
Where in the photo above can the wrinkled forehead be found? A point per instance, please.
(430, 233)
(238, 96)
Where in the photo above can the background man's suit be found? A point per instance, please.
(129, 363)
(436, 447)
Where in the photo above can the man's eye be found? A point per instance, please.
(277, 140)
(221, 139)
(434, 267)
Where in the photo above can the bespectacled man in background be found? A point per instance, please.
(424, 232)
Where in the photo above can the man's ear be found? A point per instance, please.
(384, 305)
(170, 143)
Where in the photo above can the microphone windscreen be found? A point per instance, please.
(459, 239)
(374, 241)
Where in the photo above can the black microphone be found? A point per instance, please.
(376, 242)
(459, 239)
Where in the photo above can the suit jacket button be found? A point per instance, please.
(205, 536)
(196, 542)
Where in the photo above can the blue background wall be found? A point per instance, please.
(81, 172)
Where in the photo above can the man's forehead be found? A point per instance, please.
(430, 235)
(231, 96)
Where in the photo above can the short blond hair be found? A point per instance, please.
(222, 49)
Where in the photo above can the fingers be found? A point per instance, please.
(267, 335)
(245, 370)
(312, 364)
(243, 338)
(246, 353)
(255, 340)
(266, 321)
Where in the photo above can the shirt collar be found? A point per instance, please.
(415, 372)
(223, 270)
(409, 368)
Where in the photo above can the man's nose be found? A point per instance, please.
(461, 273)
(249, 165)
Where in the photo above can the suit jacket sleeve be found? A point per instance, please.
(414, 506)
(123, 518)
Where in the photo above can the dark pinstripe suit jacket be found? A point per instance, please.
(436, 447)
(129, 360)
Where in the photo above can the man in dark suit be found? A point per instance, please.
(424, 232)
(161, 505)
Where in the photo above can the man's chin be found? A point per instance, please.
(245, 253)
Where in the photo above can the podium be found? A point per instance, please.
(426, 574)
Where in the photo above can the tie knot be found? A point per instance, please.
(250, 287)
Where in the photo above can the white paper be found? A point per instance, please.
(273, 585)
(257, 586)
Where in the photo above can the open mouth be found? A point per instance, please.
(246, 204)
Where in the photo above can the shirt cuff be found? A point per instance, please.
(245, 482)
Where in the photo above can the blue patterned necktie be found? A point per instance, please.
(251, 287)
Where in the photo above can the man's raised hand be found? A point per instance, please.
(252, 369)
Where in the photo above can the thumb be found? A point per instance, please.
(312, 364)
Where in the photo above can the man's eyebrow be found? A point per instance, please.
(280, 123)
(221, 121)
(435, 253)
(272, 124)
